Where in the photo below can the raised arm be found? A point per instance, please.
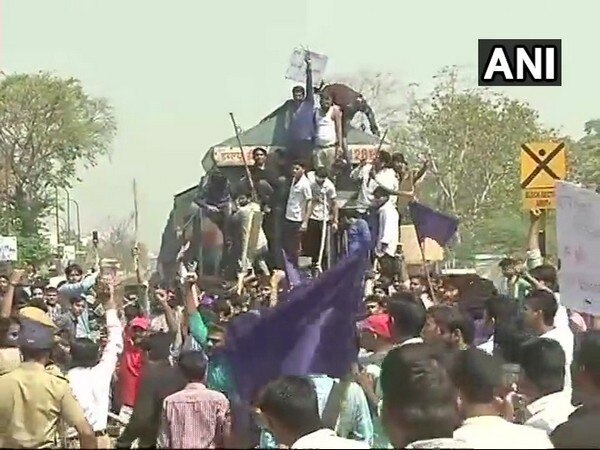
(9, 295)
(419, 174)
(196, 325)
(310, 95)
(534, 255)
(114, 346)
(72, 290)
(163, 299)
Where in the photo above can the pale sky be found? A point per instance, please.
(174, 70)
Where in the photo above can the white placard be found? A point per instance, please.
(8, 248)
(578, 236)
(69, 253)
(297, 68)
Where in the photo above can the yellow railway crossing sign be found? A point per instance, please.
(542, 163)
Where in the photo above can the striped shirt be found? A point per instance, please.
(195, 417)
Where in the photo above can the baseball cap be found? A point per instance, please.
(37, 315)
(35, 335)
(140, 322)
(378, 324)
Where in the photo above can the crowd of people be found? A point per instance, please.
(439, 361)
(300, 214)
(297, 191)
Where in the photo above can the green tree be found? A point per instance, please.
(49, 128)
(474, 136)
(385, 94)
(585, 156)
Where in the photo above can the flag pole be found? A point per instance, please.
(424, 265)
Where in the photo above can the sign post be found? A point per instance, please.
(8, 248)
(578, 236)
(297, 69)
(542, 165)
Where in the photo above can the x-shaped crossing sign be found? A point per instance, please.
(542, 164)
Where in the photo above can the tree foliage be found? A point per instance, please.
(119, 241)
(49, 127)
(585, 159)
(473, 136)
(384, 92)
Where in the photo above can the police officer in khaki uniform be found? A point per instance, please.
(33, 400)
(10, 355)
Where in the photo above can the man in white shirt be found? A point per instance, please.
(543, 365)
(540, 312)
(89, 378)
(296, 212)
(372, 176)
(290, 410)
(388, 237)
(478, 378)
(322, 210)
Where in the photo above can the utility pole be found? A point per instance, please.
(68, 239)
(57, 216)
(77, 211)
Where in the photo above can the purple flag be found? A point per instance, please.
(292, 274)
(432, 224)
(312, 333)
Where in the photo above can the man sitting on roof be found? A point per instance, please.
(214, 198)
(350, 102)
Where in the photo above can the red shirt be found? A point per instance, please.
(130, 370)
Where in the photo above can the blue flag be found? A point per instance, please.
(312, 333)
(432, 224)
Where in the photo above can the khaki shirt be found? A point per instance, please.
(10, 359)
(32, 400)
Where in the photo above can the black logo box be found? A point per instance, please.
(487, 46)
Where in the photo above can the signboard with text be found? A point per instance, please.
(231, 156)
(8, 248)
(578, 237)
(297, 69)
(542, 164)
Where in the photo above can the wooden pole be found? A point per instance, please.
(424, 264)
(381, 141)
(248, 174)
(135, 211)
(136, 252)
